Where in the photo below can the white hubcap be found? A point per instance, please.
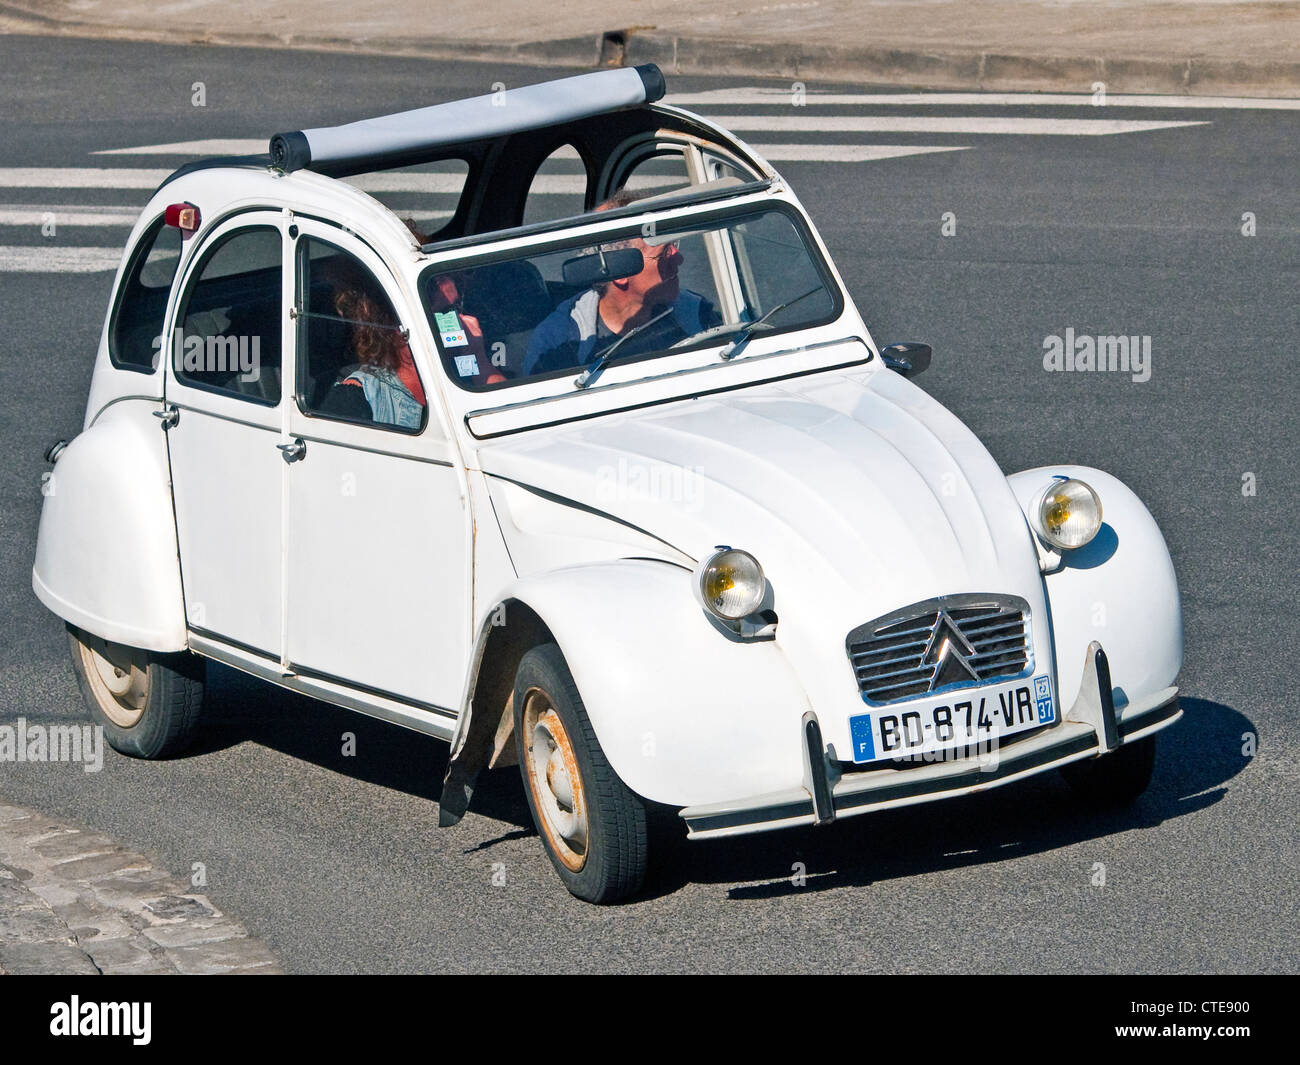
(119, 677)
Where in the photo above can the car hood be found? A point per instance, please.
(857, 492)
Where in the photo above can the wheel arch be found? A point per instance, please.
(660, 683)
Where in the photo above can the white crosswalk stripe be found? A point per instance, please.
(195, 148)
(26, 214)
(429, 194)
(768, 96)
(80, 177)
(56, 259)
(798, 122)
(846, 153)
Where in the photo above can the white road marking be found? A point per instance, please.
(768, 96)
(27, 214)
(209, 147)
(80, 177)
(444, 184)
(56, 259)
(796, 122)
(448, 181)
(844, 153)
(812, 153)
(84, 177)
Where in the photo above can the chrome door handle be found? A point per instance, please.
(292, 452)
(168, 415)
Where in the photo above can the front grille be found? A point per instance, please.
(951, 642)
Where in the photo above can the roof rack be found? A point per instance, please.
(394, 137)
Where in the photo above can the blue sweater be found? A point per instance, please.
(574, 324)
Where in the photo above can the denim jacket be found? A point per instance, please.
(390, 402)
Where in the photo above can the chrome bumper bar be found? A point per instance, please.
(1092, 727)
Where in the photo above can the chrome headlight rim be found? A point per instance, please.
(756, 577)
(1064, 485)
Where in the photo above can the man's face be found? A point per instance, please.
(657, 281)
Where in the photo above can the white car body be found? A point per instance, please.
(586, 512)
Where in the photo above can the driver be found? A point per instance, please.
(583, 326)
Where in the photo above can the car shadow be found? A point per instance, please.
(241, 709)
(1196, 759)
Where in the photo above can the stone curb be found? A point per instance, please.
(678, 54)
(76, 902)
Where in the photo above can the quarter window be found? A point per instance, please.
(135, 335)
(229, 339)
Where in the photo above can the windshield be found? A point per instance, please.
(648, 290)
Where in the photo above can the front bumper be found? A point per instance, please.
(1091, 728)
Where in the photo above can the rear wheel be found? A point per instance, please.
(592, 826)
(147, 703)
(1114, 779)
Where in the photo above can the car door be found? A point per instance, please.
(222, 390)
(378, 561)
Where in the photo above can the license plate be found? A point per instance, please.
(975, 718)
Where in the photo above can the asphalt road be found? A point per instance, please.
(336, 862)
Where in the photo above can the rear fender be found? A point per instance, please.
(106, 555)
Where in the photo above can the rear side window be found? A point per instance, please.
(135, 334)
(229, 338)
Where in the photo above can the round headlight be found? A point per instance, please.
(731, 583)
(1070, 514)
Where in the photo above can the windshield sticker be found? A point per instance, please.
(453, 335)
(466, 365)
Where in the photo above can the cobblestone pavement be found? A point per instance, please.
(77, 902)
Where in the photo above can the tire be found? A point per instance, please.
(148, 704)
(1114, 779)
(593, 828)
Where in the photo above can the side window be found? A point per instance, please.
(354, 363)
(135, 333)
(559, 187)
(230, 325)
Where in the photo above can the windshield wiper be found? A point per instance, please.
(584, 379)
(748, 329)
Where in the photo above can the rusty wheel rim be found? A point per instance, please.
(119, 677)
(555, 781)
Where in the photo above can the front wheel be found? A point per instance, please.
(147, 703)
(592, 826)
(1114, 779)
